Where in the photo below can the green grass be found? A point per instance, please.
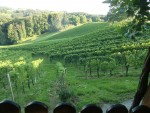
(79, 30)
(72, 33)
(101, 90)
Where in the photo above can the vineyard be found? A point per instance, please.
(93, 54)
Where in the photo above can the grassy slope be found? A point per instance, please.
(104, 89)
(68, 34)
(79, 31)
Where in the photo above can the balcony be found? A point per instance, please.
(8, 106)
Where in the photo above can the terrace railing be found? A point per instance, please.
(8, 106)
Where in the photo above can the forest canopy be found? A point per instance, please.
(16, 25)
(138, 11)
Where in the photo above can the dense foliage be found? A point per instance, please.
(138, 11)
(23, 70)
(20, 24)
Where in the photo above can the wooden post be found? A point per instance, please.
(9, 81)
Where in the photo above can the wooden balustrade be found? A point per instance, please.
(8, 106)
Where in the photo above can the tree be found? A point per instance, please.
(29, 26)
(83, 19)
(23, 28)
(112, 65)
(12, 34)
(65, 19)
(20, 28)
(103, 66)
(138, 10)
(75, 20)
(44, 23)
(96, 18)
(55, 21)
(114, 15)
(2, 37)
(36, 27)
(127, 58)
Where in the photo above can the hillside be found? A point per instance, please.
(74, 32)
(91, 63)
(19, 25)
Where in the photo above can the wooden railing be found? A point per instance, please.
(8, 106)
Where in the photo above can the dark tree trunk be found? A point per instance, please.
(84, 67)
(23, 88)
(90, 68)
(90, 71)
(3, 85)
(98, 72)
(97, 68)
(110, 72)
(39, 73)
(127, 69)
(29, 83)
(32, 82)
(16, 86)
